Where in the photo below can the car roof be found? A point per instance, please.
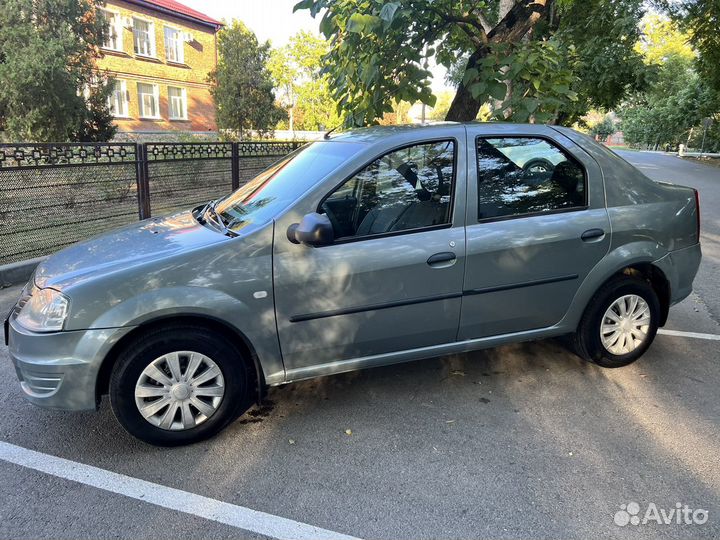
(376, 134)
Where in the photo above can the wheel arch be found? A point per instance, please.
(211, 323)
(648, 272)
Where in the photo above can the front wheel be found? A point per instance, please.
(178, 385)
(620, 323)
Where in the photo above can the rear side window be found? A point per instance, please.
(526, 175)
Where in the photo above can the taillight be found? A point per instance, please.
(697, 210)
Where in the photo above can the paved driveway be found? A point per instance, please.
(518, 441)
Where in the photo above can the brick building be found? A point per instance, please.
(160, 53)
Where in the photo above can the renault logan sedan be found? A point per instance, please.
(373, 247)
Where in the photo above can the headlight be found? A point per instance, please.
(45, 311)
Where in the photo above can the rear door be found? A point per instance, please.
(393, 279)
(536, 225)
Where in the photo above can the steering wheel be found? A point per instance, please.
(333, 220)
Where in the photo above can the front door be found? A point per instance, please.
(536, 225)
(393, 278)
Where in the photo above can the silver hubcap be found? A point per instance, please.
(179, 390)
(625, 324)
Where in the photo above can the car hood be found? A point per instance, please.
(132, 245)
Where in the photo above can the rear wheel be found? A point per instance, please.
(619, 324)
(179, 385)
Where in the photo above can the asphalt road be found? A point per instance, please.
(518, 441)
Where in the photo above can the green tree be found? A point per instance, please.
(603, 128)
(700, 20)
(49, 89)
(243, 87)
(302, 87)
(534, 60)
(674, 105)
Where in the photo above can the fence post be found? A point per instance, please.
(235, 167)
(143, 184)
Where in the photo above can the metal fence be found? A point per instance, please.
(53, 195)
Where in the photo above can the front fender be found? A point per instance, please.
(255, 321)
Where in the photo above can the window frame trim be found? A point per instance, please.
(118, 27)
(182, 44)
(152, 34)
(183, 92)
(451, 217)
(156, 96)
(548, 139)
(125, 100)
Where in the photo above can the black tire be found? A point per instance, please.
(587, 342)
(155, 343)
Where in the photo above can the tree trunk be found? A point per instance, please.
(511, 29)
(464, 106)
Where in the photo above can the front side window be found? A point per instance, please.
(113, 39)
(526, 175)
(118, 101)
(144, 34)
(174, 49)
(177, 103)
(407, 189)
(148, 100)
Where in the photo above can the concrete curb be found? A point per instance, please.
(18, 272)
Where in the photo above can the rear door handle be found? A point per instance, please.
(441, 260)
(591, 234)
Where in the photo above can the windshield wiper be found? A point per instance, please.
(210, 210)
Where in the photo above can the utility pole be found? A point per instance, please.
(422, 117)
(706, 125)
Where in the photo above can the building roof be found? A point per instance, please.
(179, 10)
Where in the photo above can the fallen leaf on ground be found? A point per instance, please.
(348, 432)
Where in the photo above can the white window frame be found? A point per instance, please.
(112, 100)
(184, 102)
(156, 98)
(152, 53)
(178, 42)
(116, 24)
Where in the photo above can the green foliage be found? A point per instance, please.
(544, 61)
(538, 73)
(677, 101)
(606, 65)
(302, 87)
(243, 87)
(661, 39)
(442, 105)
(700, 19)
(50, 90)
(603, 128)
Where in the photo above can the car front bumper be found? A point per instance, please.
(59, 370)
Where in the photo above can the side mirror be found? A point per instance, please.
(314, 230)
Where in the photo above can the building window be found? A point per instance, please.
(144, 34)
(118, 100)
(177, 102)
(113, 40)
(148, 100)
(174, 45)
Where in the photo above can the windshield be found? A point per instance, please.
(270, 192)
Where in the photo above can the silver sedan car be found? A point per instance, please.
(372, 247)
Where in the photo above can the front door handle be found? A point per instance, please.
(592, 234)
(441, 260)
